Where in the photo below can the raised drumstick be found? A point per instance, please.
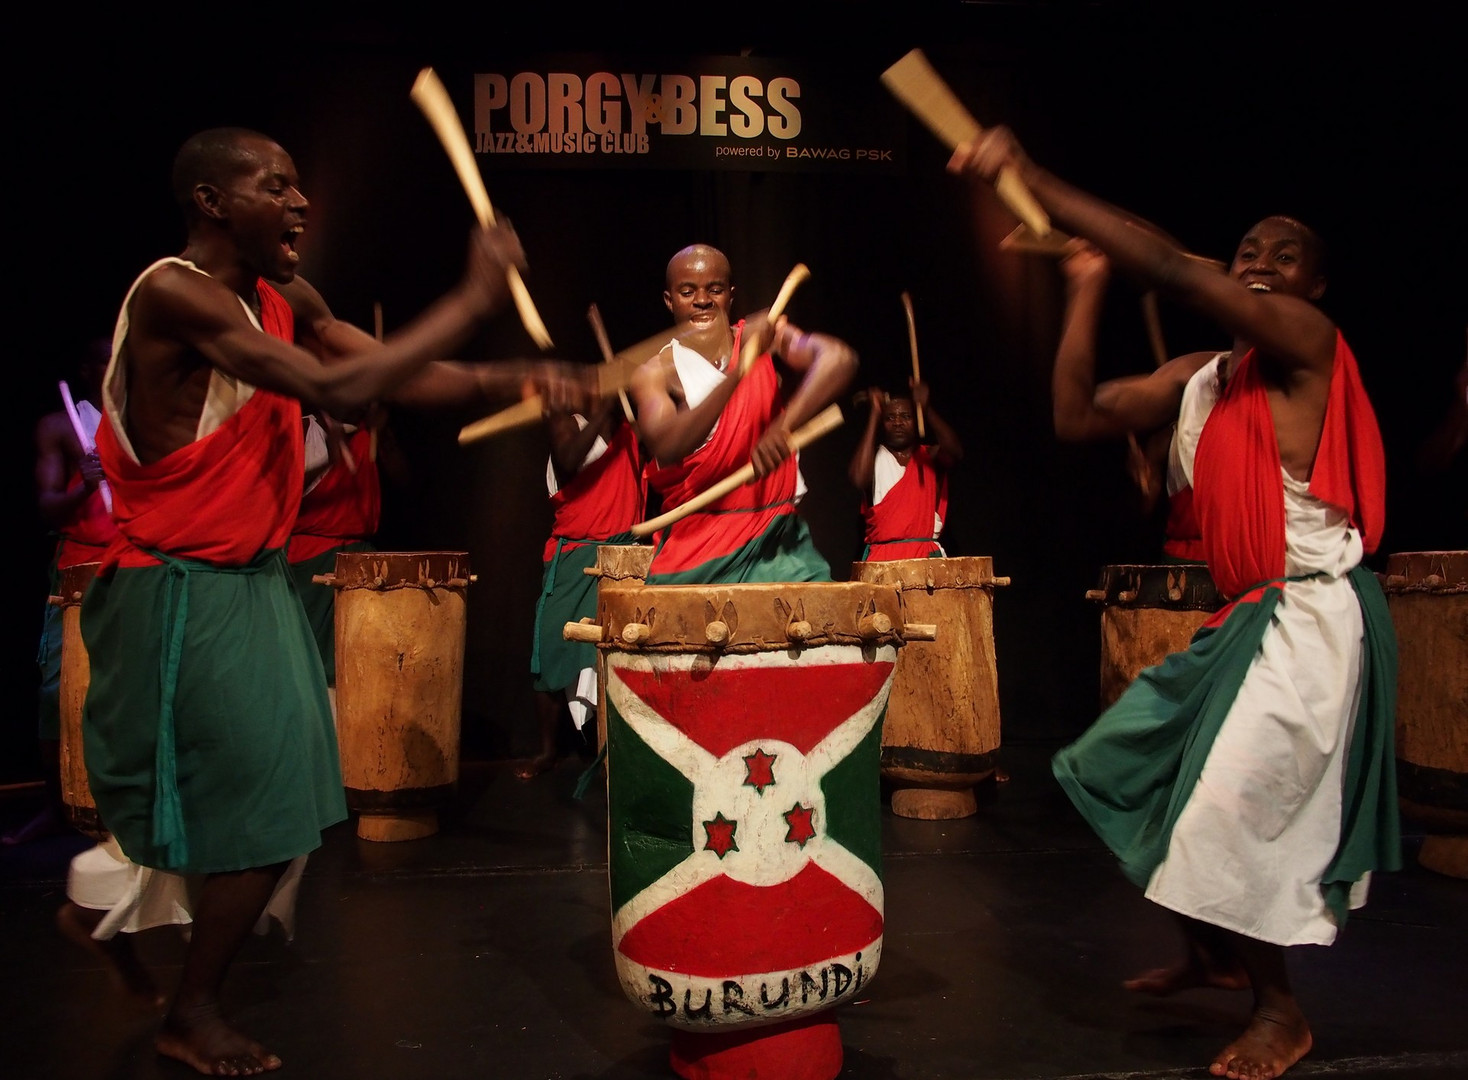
(430, 96)
(912, 346)
(823, 423)
(604, 343)
(913, 82)
(797, 274)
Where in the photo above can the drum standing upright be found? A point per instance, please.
(743, 741)
(941, 736)
(1427, 593)
(617, 566)
(76, 676)
(400, 625)
(1149, 612)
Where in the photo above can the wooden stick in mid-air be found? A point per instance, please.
(913, 82)
(912, 347)
(823, 423)
(433, 99)
(750, 353)
(604, 343)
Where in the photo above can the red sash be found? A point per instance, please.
(1183, 538)
(91, 529)
(221, 499)
(343, 505)
(906, 511)
(729, 523)
(1238, 488)
(603, 499)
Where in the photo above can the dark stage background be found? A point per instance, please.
(1202, 120)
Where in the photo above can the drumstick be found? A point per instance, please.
(793, 279)
(1021, 239)
(604, 343)
(912, 346)
(377, 333)
(913, 82)
(824, 422)
(430, 96)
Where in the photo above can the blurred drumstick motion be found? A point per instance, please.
(1153, 320)
(912, 346)
(611, 377)
(377, 333)
(913, 81)
(604, 343)
(1022, 240)
(432, 98)
(823, 423)
(797, 274)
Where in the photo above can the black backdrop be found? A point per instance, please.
(1202, 121)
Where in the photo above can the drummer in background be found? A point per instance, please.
(904, 483)
(69, 497)
(1085, 411)
(597, 493)
(702, 420)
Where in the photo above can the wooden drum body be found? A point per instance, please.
(743, 741)
(941, 735)
(1427, 593)
(76, 676)
(1150, 612)
(617, 566)
(400, 623)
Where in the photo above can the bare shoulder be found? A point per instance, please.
(54, 429)
(1182, 368)
(175, 294)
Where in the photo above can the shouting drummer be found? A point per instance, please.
(904, 483)
(701, 419)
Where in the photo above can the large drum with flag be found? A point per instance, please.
(743, 737)
(617, 566)
(400, 623)
(1148, 612)
(941, 735)
(76, 677)
(1427, 593)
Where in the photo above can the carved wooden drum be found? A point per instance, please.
(617, 566)
(743, 739)
(400, 623)
(76, 676)
(941, 735)
(1427, 593)
(1149, 612)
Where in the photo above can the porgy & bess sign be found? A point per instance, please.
(693, 113)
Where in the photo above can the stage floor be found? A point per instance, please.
(484, 952)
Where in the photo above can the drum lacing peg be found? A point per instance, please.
(1432, 581)
(56, 601)
(1095, 594)
(1395, 581)
(323, 579)
(716, 632)
(586, 630)
(1126, 596)
(920, 631)
(635, 633)
(455, 582)
(999, 581)
(800, 630)
(874, 625)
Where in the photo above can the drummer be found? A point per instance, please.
(904, 483)
(702, 420)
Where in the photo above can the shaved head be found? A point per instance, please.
(696, 284)
(214, 157)
(716, 260)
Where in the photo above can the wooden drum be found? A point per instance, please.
(617, 566)
(400, 621)
(1149, 612)
(941, 736)
(743, 742)
(1427, 593)
(76, 676)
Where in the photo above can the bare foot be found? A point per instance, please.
(533, 767)
(1271, 1043)
(203, 1040)
(47, 823)
(127, 971)
(1164, 981)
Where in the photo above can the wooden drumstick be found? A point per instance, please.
(433, 99)
(913, 82)
(377, 333)
(912, 346)
(593, 313)
(823, 423)
(792, 280)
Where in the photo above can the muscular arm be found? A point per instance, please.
(863, 467)
(56, 449)
(570, 443)
(948, 450)
(671, 433)
(825, 366)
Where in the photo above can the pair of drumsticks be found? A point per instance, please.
(912, 80)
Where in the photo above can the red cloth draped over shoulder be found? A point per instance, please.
(604, 499)
(1183, 538)
(715, 532)
(343, 505)
(1239, 493)
(906, 511)
(221, 499)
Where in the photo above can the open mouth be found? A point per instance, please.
(288, 243)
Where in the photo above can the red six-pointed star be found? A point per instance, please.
(720, 835)
(799, 818)
(760, 770)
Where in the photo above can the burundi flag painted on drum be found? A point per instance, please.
(745, 855)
